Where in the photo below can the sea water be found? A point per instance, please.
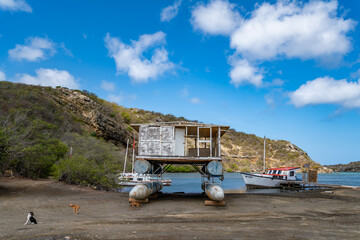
(191, 182)
(342, 178)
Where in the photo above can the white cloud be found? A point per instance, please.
(170, 12)
(184, 92)
(277, 82)
(2, 76)
(108, 86)
(275, 97)
(115, 98)
(132, 97)
(186, 95)
(121, 98)
(66, 51)
(49, 77)
(130, 58)
(286, 29)
(195, 100)
(36, 48)
(270, 100)
(292, 30)
(216, 17)
(15, 5)
(327, 90)
(355, 74)
(244, 73)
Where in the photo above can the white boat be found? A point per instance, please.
(274, 178)
(132, 179)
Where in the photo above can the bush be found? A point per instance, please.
(245, 169)
(126, 117)
(94, 162)
(29, 148)
(4, 147)
(38, 159)
(181, 168)
(81, 170)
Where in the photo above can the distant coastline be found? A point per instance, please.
(350, 167)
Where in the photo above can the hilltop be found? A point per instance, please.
(40, 126)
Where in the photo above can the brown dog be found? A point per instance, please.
(134, 204)
(75, 207)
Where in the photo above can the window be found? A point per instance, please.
(291, 173)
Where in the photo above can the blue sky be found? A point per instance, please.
(285, 69)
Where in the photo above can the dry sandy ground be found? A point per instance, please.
(106, 215)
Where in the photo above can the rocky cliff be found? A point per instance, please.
(95, 116)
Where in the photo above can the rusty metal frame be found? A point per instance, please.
(198, 169)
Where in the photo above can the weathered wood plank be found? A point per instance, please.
(214, 203)
(139, 201)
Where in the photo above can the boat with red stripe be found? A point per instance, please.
(273, 178)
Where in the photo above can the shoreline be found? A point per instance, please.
(312, 214)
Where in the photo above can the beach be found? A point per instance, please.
(311, 214)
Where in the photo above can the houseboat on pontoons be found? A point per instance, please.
(274, 178)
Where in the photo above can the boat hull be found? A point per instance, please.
(264, 181)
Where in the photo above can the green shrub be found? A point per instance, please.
(81, 170)
(29, 148)
(4, 148)
(245, 169)
(181, 168)
(37, 160)
(233, 165)
(126, 117)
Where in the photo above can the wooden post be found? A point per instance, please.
(219, 144)
(304, 177)
(264, 154)
(210, 141)
(214, 203)
(198, 151)
(126, 153)
(185, 150)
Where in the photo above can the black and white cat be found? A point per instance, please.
(30, 219)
